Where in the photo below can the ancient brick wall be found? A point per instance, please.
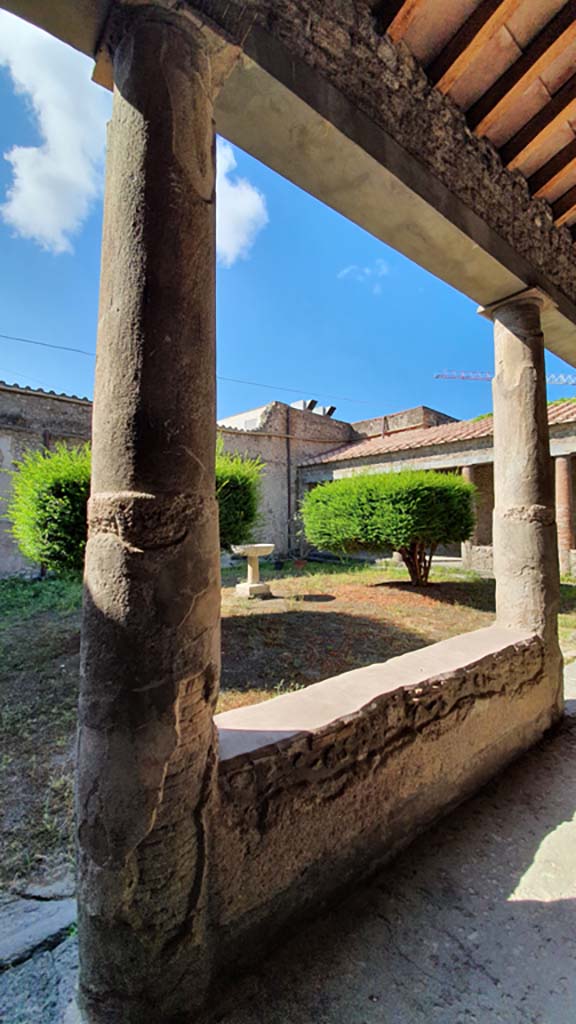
(283, 438)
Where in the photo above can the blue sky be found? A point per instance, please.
(305, 299)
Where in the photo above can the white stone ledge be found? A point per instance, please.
(243, 731)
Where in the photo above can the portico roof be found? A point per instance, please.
(445, 130)
(427, 437)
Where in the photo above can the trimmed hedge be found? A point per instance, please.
(47, 508)
(238, 493)
(411, 511)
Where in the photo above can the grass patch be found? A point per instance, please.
(324, 619)
(21, 598)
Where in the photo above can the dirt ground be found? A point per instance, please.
(317, 624)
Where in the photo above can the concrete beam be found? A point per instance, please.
(77, 22)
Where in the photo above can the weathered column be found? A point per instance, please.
(564, 510)
(150, 634)
(467, 545)
(525, 548)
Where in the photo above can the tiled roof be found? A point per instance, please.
(60, 395)
(427, 437)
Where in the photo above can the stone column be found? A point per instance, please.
(150, 650)
(564, 510)
(525, 548)
(467, 545)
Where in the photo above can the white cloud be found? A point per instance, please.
(240, 209)
(366, 275)
(54, 183)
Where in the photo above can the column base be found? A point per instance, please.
(253, 590)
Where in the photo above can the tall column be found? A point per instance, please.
(467, 545)
(150, 654)
(564, 510)
(525, 548)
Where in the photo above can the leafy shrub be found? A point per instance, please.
(238, 493)
(47, 508)
(411, 511)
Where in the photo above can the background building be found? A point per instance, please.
(302, 445)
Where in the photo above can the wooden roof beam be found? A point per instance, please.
(552, 172)
(565, 207)
(541, 126)
(467, 42)
(559, 33)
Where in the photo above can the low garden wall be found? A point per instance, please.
(320, 786)
(478, 558)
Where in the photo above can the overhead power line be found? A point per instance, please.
(47, 344)
(229, 380)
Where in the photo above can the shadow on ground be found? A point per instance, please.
(479, 594)
(475, 922)
(295, 648)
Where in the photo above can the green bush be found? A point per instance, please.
(410, 511)
(238, 493)
(47, 508)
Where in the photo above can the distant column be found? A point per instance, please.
(150, 655)
(467, 545)
(564, 510)
(525, 545)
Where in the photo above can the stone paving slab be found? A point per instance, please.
(41, 990)
(30, 925)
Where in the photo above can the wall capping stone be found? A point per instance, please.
(420, 675)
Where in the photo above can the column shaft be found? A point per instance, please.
(467, 545)
(525, 549)
(564, 510)
(150, 651)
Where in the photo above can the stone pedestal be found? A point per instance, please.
(150, 649)
(564, 510)
(253, 552)
(525, 547)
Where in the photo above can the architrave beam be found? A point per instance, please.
(559, 33)
(467, 42)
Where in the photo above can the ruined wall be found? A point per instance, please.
(284, 437)
(318, 787)
(338, 39)
(30, 420)
(407, 419)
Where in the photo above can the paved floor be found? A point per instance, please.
(475, 922)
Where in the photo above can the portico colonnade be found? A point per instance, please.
(150, 656)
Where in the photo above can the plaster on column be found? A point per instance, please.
(525, 546)
(150, 651)
(564, 510)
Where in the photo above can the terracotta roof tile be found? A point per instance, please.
(426, 437)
